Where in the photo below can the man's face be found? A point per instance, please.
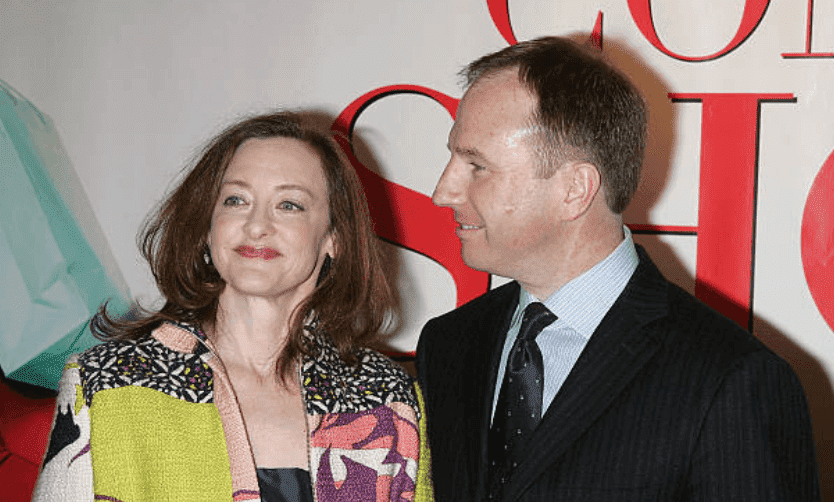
(507, 216)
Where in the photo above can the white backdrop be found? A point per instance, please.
(135, 88)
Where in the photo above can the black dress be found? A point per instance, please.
(285, 484)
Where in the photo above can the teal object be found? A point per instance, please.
(55, 265)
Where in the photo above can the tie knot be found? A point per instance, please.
(536, 317)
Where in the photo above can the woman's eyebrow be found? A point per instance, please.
(284, 187)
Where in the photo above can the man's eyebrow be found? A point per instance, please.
(467, 152)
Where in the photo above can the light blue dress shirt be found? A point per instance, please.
(580, 306)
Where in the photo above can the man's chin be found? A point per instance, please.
(477, 261)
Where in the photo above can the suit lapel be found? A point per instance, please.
(616, 352)
(490, 329)
(494, 327)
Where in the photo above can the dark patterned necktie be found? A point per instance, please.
(519, 407)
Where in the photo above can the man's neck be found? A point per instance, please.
(589, 243)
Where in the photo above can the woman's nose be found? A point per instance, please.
(258, 223)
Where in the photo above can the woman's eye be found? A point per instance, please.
(233, 200)
(290, 206)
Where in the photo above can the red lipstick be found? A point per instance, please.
(253, 252)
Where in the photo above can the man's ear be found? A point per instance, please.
(583, 183)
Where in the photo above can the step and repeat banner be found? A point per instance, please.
(736, 202)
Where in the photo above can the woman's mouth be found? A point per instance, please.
(264, 253)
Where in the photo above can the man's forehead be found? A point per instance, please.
(499, 103)
(499, 93)
(510, 73)
(506, 80)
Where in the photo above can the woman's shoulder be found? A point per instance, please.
(113, 348)
(148, 363)
(152, 344)
(331, 385)
(374, 362)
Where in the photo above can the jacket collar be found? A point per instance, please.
(617, 351)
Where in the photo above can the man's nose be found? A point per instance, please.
(450, 187)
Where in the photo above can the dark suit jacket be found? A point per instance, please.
(668, 401)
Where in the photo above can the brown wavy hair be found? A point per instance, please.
(352, 298)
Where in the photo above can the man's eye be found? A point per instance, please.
(476, 167)
(233, 200)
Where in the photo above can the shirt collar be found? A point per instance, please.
(582, 302)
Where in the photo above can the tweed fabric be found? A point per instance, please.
(166, 425)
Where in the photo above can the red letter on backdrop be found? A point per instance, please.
(404, 216)
(727, 199)
(499, 11)
(641, 12)
(818, 240)
(808, 29)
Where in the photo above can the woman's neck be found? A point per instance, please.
(250, 334)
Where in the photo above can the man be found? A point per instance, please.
(614, 384)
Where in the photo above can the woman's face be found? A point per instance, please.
(270, 228)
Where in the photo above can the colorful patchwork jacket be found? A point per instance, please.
(157, 420)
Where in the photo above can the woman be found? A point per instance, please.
(251, 382)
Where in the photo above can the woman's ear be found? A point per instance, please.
(331, 246)
(324, 271)
(206, 248)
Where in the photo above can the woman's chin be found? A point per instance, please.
(266, 290)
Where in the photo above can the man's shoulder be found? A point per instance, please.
(687, 325)
(458, 329)
(502, 297)
(699, 330)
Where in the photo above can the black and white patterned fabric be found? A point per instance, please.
(328, 384)
(331, 386)
(146, 363)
